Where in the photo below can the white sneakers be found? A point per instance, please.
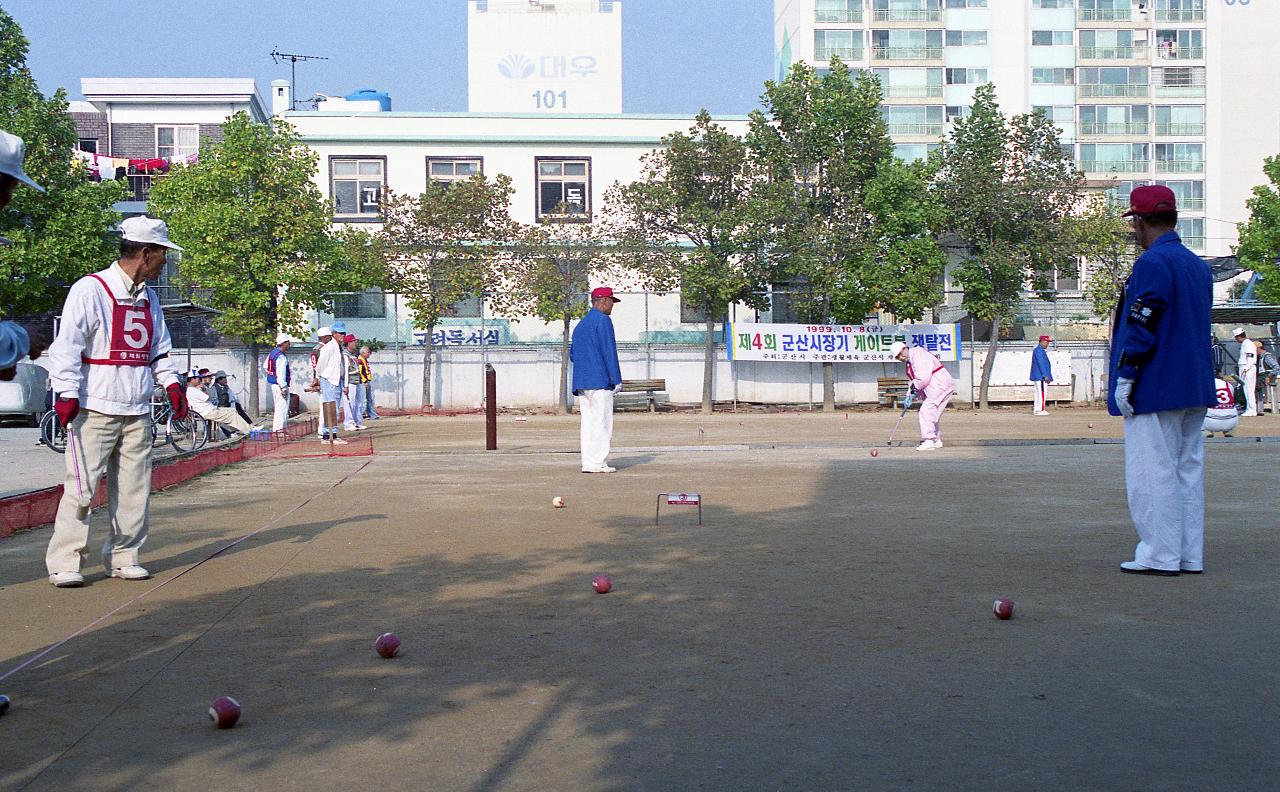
(601, 469)
(131, 572)
(76, 580)
(928, 445)
(1040, 412)
(67, 579)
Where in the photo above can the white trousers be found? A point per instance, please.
(1042, 396)
(596, 407)
(280, 400)
(1249, 377)
(1164, 478)
(354, 402)
(120, 447)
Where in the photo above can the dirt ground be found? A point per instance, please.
(828, 627)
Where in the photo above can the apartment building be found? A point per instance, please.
(1176, 92)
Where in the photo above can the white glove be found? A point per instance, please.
(617, 388)
(1124, 396)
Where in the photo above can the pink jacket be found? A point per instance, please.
(927, 373)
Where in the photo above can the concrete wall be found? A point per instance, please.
(529, 376)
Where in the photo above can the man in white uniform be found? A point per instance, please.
(112, 347)
(331, 368)
(1247, 366)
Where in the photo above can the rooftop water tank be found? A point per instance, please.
(370, 95)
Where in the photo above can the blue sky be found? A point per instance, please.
(678, 55)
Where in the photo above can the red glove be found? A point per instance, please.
(177, 400)
(67, 409)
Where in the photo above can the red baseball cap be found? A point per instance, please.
(603, 291)
(1045, 338)
(1151, 198)
(350, 337)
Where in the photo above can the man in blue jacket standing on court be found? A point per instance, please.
(596, 377)
(1041, 376)
(1161, 381)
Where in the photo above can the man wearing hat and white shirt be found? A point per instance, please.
(1247, 368)
(1161, 380)
(279, 376)
(111, 349)
(596, 377)
(15, 340)
(1041, 375)
(331, 368)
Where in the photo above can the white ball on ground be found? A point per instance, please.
(557, 502)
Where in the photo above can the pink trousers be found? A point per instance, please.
(931, 413)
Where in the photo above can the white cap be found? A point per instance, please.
(324, 331)
(896, 348)
(1239, 331)
(281, 338)
(12, 152)
(14, 344)
(147, 231)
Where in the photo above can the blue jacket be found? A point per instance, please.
(1161, 331)
(594, 353)
(1040, 368)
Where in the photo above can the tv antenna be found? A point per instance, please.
(293, 58)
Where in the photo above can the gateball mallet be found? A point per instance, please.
(906, 405)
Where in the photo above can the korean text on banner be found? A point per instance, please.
(837, 343)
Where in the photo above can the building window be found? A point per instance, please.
(1179, 10)
(913, 119)
(1052, 38)
(1061, 76)
(966, 76)
(843, 44)
(466, 308)
(966, 4)
(1115, 119)
(1120, 81)
(88, 145)
(177, 141)
(564, 187)
(370, 304)
(1113, 44)
(1180, 120)
(356, 185)
(1191, 229)
(966, 38)
(907, 83)
(838, 11)
(482, 6)
(906, 44)
(1051, 3)
(1179, 157)
(1190, 194)
(1179, 44)
(1115, 157)
(446, 170)
(958, 111)
(606, 6)
(912, 152)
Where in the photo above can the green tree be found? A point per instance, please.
(1259, 247)
(690, 222)
(62, 234)
(1009, 190)
(257, 232)
(444, 246)
(1105, 240)
(550, 274)
(850, 225)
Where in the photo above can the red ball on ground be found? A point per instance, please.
(1090, 426)
(602, 584)
(387, 645)
(1003, 608)
(224, 712)
(875, 452)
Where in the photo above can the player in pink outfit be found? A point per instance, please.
(934, 385)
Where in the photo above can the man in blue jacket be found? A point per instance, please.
(596, 377)
(1161, 381)
(1041, 376)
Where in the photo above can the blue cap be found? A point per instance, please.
(14, 344)
(339, 327)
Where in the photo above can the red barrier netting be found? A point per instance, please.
(19, 512)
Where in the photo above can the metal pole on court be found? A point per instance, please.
(490, 408)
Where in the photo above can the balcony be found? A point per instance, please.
(1179, 166)
(912, 91)
(932, 130)
(1106, 14)
(1112, 53)
(1115, 166)
(845, 54)
(1179, 91)
(1179, 15)
(1190, 204)
(851, 15)
(1180, 53)
(1113, 129)
(906, 53)
(907, 15)
(1180, 130)
(1114, 89)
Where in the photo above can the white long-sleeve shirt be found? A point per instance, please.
(1248, 357)
(199, 401)
(85, 335)
(331, 367)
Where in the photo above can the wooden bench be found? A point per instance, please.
(891, 391)
(644, 391)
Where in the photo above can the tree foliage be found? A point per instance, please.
(444, 246)
(62, 234)
(1009, 190)
(1259, 247)
(256, 231)
(691, 222)
(1105, 240)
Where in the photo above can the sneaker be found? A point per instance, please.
(1228, 434)
(1134, 568)
(1207, 433)
(926, 445)
(601, 469)
(131, 572)
(67, 579)
(937, 443)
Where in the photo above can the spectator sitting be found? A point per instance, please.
(199, 401)
(223, 396)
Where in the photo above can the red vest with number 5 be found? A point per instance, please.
(131, 333)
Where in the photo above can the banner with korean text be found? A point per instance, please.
(837, 343)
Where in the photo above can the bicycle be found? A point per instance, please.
(52, 433)
(185, 434)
